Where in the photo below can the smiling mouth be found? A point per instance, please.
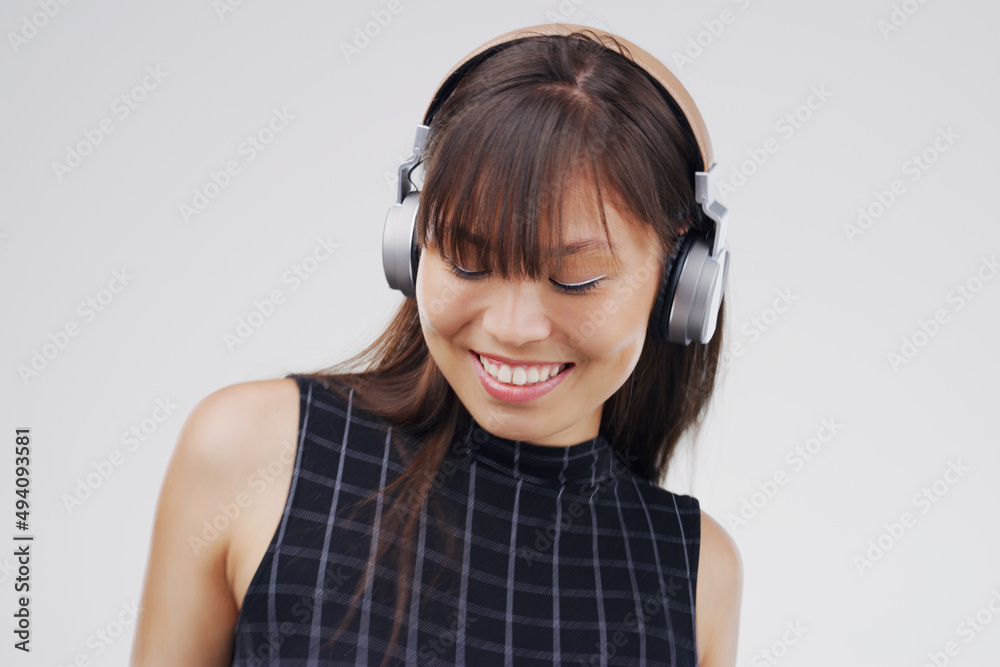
(520, 374)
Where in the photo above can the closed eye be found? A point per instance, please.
(575, 288)
(579, 288)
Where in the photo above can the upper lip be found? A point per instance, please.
(518, 362)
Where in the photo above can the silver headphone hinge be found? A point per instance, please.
(403, 175)
(705, 188)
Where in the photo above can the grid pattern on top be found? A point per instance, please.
(585, 566)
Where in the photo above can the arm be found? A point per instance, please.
(718, 596)
(188, 613)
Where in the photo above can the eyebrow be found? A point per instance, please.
(571, 248)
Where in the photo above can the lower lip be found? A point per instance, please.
(513, 393)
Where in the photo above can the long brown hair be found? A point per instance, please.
(520, 127)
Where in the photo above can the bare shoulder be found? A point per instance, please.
(719, 555)
(719, 595)
(248, 436)
(224, 438)
(187, 592)
(232, 422)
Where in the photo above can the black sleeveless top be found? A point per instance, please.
(564, 555)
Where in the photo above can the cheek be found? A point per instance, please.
(615, 325)
(441, 306)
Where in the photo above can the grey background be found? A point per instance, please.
(328, 174)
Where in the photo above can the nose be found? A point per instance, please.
(515, 314)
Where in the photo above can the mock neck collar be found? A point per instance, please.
(582, 465)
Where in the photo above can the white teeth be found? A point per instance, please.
(505, 373)
(521, 375)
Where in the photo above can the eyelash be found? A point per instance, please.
(584, 288)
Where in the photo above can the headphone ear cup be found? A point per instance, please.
(660, 317)
(400, 252)
(695, 291)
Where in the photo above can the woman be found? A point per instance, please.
(481, 484)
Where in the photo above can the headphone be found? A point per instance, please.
(688, 300)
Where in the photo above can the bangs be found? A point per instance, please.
(500, 176)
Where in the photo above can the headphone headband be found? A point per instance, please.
(657, 70)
